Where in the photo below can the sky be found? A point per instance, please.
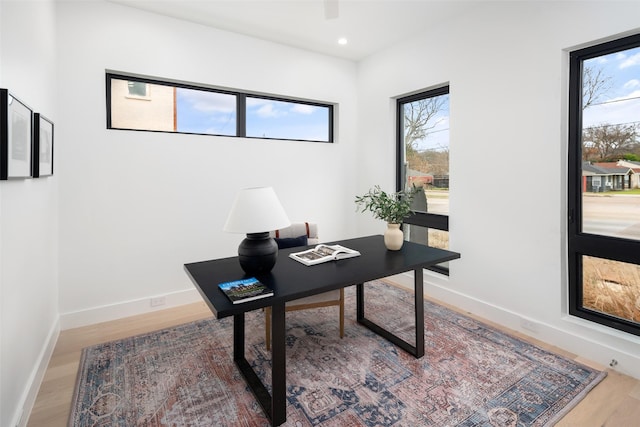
(620, 104)
(215, 113)
(438, 137)
(206, 112)
(276, 119)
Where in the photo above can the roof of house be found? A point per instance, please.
(630, 161)
(635, 166)
(612, 167)
(604, 168)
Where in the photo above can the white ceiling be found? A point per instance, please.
(369, 25)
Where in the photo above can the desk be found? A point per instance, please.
(291, 280)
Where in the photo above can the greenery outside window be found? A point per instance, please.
(423, 162)
(603, 184)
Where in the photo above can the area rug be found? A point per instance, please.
(471, 374)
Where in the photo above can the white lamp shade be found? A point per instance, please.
(256, 210)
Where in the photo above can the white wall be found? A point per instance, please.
(136, 206)
(507, 67)
(28, 216)
(132, 207)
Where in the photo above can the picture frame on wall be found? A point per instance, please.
(42, 146)
(16, 126)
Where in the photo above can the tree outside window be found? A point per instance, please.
(604, 184)
(423, 163)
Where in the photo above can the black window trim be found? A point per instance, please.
(421, 219)
(241, 104)
(580, 243)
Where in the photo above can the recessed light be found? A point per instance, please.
(342, 40)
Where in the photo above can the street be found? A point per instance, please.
(611, 215)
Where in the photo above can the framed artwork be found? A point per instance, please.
(15, 137)
(42, 146)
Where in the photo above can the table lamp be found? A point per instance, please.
(256, 212)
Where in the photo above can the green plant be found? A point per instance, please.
(390, 207)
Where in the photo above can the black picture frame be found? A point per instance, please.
(16, 142)
(42, 146)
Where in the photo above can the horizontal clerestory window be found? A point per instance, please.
(147, 104)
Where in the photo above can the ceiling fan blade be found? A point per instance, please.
(331, 9)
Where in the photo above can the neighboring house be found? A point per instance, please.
(138, 105)
(419, 179)
(635, 166)
(607, 176)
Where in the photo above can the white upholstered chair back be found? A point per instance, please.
(326, 299)
(298, 229)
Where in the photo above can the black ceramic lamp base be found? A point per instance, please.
(257, 253)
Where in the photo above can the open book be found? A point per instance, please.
(323, 253)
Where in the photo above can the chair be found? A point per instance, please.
(298, 234)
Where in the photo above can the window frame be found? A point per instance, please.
(241, 106)
(579, 243)
(421, 219)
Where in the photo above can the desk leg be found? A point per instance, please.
(238, 336)
(419, 302)
(418, 349)
(278, 366)
(274, 407)
(253, 381)
(359, 302)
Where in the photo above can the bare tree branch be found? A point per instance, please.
(594, 84)
(418, 119)
(608, 142)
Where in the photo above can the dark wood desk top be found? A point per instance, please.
(291, 280)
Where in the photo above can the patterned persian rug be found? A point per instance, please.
(471, 374)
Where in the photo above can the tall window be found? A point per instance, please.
(423, 163)
(604, 185)
(135, 103)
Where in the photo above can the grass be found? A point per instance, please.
(611, 287)
(438, 238)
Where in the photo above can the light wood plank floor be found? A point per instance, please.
(615, 402)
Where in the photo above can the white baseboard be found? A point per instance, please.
(109, 312)
(574, 335)
(35, 379)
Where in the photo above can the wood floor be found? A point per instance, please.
(615, 402)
